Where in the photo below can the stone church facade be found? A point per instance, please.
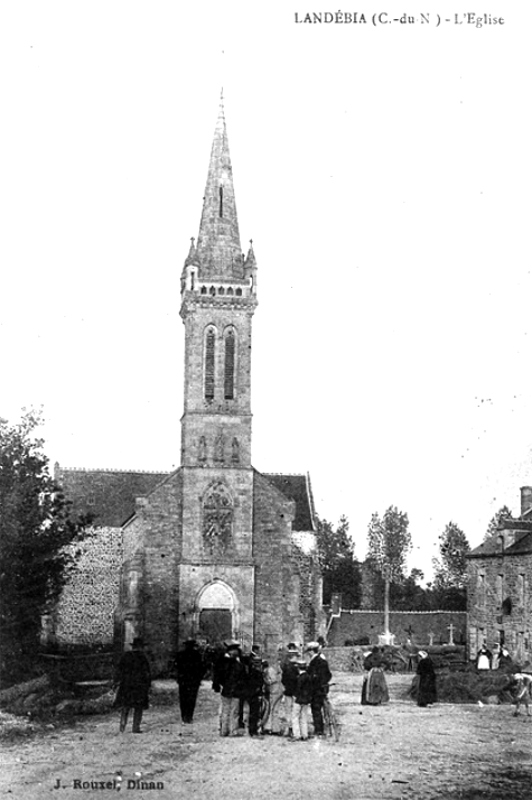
(500, 587)
(214, 549)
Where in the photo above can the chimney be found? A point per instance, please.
(526, 499)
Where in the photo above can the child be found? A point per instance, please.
(301, 702)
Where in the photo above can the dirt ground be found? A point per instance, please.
(394, 751)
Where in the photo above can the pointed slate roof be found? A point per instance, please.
(107, 494)
(218, 247)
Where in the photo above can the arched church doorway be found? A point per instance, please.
(216, 607)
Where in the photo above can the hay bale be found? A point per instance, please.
(471, 686)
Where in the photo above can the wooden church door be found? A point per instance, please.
(216, 624)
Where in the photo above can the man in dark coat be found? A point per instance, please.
(253, 688)
(426, 691)
(190, 670)
(134, 679)
(320, 675)
(229, 679)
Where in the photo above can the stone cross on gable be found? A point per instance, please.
(450, 628)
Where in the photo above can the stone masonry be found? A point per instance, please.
(500, 587)
(216, 549)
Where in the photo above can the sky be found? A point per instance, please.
(383, 172)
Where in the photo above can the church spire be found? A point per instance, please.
(218, 247)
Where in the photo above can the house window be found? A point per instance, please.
(209, 364)
(229, 365)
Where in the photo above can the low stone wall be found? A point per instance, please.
(420, 627)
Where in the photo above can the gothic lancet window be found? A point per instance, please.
(217, 519)
(221, 210)
(229, 365)
(209, 364)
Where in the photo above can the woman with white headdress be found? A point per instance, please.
(426, 691)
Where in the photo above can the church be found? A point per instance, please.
(215, 549)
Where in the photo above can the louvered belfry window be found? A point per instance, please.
(229, 371)
(209, 365)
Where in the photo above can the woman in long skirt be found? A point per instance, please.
(426, 692)
(374, 688)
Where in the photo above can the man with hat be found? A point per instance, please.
(253, 690)
(229, 679)
(134, 680)
(289, 676)
(190, 669)
(320, 675)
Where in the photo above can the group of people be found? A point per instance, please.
(375, 689)
(248, 684)
(250, 688)
(486, 660)
(271, 698)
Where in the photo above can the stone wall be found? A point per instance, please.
(277, 614)
(84, 614)
(414, 625)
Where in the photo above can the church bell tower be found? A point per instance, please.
(218, 300)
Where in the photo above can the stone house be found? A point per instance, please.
(500, 587)
(215, 549)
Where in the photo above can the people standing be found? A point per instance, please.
(505, 659)
(273, 690)
(301, 701)
(483, 658)
(254, 686)
(133, 677)
(229, 680)
(426, 690)
(289, 675)
(374, 687)
(190, 669)
(320, 675)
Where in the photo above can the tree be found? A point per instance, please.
(389, 542)
(35, 530)
(451, 568)
(449, 590)
(498, 517)
(340, 569)
(409, 595)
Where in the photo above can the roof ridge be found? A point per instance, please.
(288, 474)
(113, 470)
